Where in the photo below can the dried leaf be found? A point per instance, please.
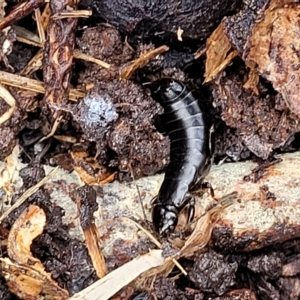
(26, 228)
(204, 226)
(273, 47)
(25, 274)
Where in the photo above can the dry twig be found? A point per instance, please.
(20, 11)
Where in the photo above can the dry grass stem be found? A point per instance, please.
(41, 31)
(27, 37)
(32, 85)
(73, 14)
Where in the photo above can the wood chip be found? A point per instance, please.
(10, 100)
(219, 53)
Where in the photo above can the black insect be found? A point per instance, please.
(185, 122)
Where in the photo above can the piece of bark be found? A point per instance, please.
(58, 56)
(273, 47)
(253, 222)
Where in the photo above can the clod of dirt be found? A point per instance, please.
(269, 265)
(262, 122)
(132, 138)
(95, 113)
(289, 288)
(240, 294)
(213, 273)
(105, 43)
(228, 143)
(196, 18)
(102, 42)
(165, 288)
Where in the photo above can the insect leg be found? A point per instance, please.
(189, 206)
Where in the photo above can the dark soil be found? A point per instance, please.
(114, 123)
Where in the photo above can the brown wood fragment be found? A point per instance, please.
(45, 16)
(72, 14)
(92, 241)
(219, 53)
(89, 170)
(253, 79)
(20, 11)
(140, 62)
(58, 56)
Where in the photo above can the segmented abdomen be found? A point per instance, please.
(188, 129)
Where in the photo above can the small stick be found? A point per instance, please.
(141, 61)
(40, 26)
(45, 17)
(19, 12)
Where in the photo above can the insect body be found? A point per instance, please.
(188, 128)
